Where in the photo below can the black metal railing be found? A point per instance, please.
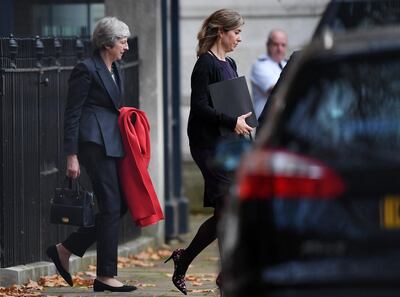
(33, 90)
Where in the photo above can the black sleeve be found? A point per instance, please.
(78, 90)
(199, 102)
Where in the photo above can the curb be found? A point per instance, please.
(21, 274)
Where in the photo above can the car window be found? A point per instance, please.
(352, 104)
(345, 15)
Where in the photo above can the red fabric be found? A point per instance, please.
(136, 184)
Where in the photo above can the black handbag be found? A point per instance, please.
(72, 205)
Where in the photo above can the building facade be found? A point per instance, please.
(297, 18)
(166, 58)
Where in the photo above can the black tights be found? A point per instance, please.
(206, 234)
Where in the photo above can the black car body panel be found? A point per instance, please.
(317, 200)
(342, 16)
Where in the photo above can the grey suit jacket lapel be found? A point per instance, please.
(107, 80)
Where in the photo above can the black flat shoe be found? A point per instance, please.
(53, 255)
(98, 286)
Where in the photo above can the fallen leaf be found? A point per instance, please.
(91, 274)
(155, 257)
(201, 291)
(191, 278)
(27, 290)
(164, 252)
(81, 282)
(123, 260)
(146, 285)
(33, 285)
(133, 261)
(197, 284)
(52, 281)
(142, 256)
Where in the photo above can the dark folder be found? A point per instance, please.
(232, 97)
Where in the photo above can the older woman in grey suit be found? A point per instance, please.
(92, 139)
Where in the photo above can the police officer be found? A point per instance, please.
(267, 68)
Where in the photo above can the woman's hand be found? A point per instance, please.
(73, 169)
(241, 126)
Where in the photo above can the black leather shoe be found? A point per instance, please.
(98, 286)
(53, 255)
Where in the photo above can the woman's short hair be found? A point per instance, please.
(222, 19)
(108, 31)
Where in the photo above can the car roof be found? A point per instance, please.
(348, 15)
(375, 39)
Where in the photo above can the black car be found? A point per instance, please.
(348, 15)
(315, 210)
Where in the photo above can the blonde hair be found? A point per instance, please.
(222, 19)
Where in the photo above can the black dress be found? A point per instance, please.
(204, 122)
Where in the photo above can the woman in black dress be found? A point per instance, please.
(219, 35)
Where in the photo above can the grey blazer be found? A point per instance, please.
(92, 109)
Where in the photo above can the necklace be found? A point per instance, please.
(212, 53)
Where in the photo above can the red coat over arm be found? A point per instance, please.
(136, 184)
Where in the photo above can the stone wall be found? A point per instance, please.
(144, 20)
(297, 18)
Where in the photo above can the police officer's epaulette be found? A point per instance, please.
(262, 59)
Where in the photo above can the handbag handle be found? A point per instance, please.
(78, 186)
(74, 184)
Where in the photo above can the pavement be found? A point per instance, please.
(155, 279)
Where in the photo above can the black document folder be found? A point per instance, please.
(232, 97)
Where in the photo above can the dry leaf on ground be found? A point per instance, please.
(163, 253)
(192, 278)
(52, 281)
(131, 262)
(82, 282)
(201, 291)
(91, 274)
(142, 285)
(196, 283)
(21, 290)
(33, 285)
